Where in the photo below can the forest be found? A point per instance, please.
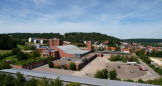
(75, 37)
(6, 43)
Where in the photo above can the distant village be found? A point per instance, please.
(125, 47)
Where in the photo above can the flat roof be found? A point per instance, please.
(72, 78)
(71, 49)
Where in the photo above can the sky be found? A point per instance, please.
(119, 18)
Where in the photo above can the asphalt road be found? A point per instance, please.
(156, 75)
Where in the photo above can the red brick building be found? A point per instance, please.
(55, 42)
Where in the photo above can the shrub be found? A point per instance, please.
(58, 67)
(118, 79)
(140, 81)
(50, 64)
(72, 66)
(118, 57)
(112, 74)
(101, 74)
(15, 51)
(129, 80)
(73, 84)
(65, 67)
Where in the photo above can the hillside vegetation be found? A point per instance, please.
(6, 43)
(144, 40)
(76, 37)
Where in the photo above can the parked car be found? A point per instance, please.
(143, 68)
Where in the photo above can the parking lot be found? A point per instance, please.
(124, 71)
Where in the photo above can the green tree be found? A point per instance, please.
(4, 65)
(43, 82)
(101, 74)
(140, 81)
(112, 74)
(109, 49)
(31, 82)
(73, 84)
(20, 80)
(50, 64)
(15, 51)
(21, 56)
(58, 82)
(72, 66)
(129, 80)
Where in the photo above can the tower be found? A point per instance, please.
(55, 42)
(89, 45)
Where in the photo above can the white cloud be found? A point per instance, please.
(121, 19)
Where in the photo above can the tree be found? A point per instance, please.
(36, 54)
(4, 65)
(15, 51)
(129, 80)
(101, 74)
(50, 64)
(113, 58)
(73, 84)
(72, 66)
(140, 81)
(117, 49)
(113, 74)
(109, 49)
(20, 80)
(43, 82)
(21, 56)
(31, 82)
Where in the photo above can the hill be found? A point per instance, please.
(143, 40)
(76, 37)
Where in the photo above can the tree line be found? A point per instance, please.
(76, 37)
(8, 43)
(144, 40)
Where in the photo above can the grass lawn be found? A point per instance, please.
(4, 51)
(20, 47)
(10, 58)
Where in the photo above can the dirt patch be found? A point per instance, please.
(158, 61)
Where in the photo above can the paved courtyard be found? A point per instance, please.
(45, 68)
(124, 71)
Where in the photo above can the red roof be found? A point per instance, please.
(125, 49)
(149, 46)
(137, 49)
(112, 48)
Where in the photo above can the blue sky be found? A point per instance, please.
(119, 18)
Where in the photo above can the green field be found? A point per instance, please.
(4, 51)
(20, 47)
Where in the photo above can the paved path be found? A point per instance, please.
(155, 75)
(97, 64)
